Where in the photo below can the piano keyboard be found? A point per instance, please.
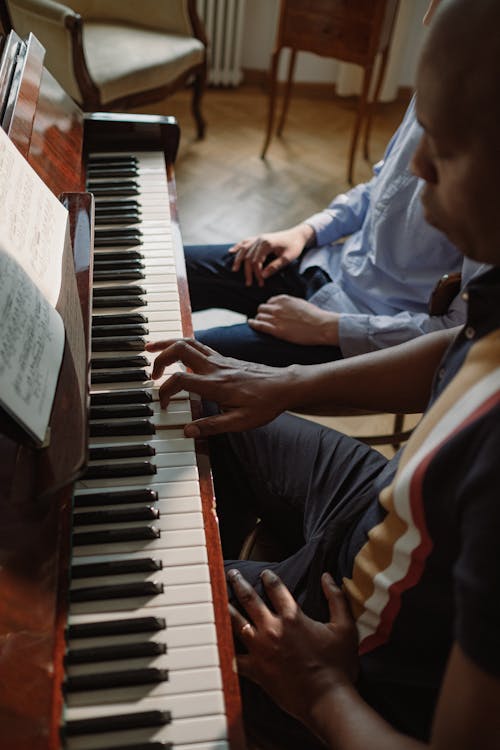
(142, 664)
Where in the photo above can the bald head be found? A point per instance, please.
(462, 54)
(459, 109)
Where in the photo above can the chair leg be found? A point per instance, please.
(198, 90)
(288, 90)
(371, 107)
(359, 119)
(272, 101)
(398, 429)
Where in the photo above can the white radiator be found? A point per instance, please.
(223, 21)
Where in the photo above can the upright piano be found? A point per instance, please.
(114, 630)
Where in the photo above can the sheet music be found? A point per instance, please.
(32, 232)
(32, 220)
(31, 348)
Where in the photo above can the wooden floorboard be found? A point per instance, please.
(227, 192)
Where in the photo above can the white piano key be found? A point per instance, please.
(169, 311)
(169, 522)
(176, 575)
(151, 261)
(176, 506)
(165, 419)
(181, 706)
(180, 636)
(199, 613)
(162, 460)
(179, 732)
(180, 682)
(194, 657)
(167, 543)
(164, 443)
(178, 412)
(173, 595)
(163, 476)
(160, 283)
(165, 491)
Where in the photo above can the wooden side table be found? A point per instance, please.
(353, 31)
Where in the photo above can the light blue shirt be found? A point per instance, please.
(384, 272)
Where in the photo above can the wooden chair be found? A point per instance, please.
(354, 32)
(440, 300)
(114, 55)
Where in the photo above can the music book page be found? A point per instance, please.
(32, 232)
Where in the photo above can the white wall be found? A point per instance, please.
(259, 33)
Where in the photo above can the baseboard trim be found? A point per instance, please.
(307, 89)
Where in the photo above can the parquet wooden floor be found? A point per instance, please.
(227, 192)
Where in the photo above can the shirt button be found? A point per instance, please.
(469, 332)
(441, 373)
(465, 296)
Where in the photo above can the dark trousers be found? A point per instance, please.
(213, 284)
(307, 482)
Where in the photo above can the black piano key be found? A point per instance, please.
(104, 628)
(108, 363)
(125, 329)
(116, 567)
(112, 653)
(118, 232)
(119, 266)
(127, 187)
(116, 591)
(105, 205)
(125, 217)
(101, 264)
(110, 159)
(126, 241)
(120, 344)
(118, 274)
(119, 319)
(108, 680)
(117, 291)
(115, 497)
(117, 471)
(122, 428)
(116, 515)
(117, 722)
(113, 536)
(125, 301)
(107, 453)
(100, 170)
(153, 745)
(115, 411)
(121, 397)
(119, 376)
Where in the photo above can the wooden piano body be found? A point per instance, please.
(36, 485)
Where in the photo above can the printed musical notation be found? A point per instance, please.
(32, 235)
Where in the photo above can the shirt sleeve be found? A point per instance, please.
(477, 572)
(345, 214)
(366, 333)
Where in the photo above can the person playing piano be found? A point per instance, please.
(311, 295)
(380, 630)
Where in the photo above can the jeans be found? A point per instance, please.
(212, 283)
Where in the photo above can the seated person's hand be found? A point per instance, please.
(297, 321)
(295, 659)
(248, 394)
(284, 246)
